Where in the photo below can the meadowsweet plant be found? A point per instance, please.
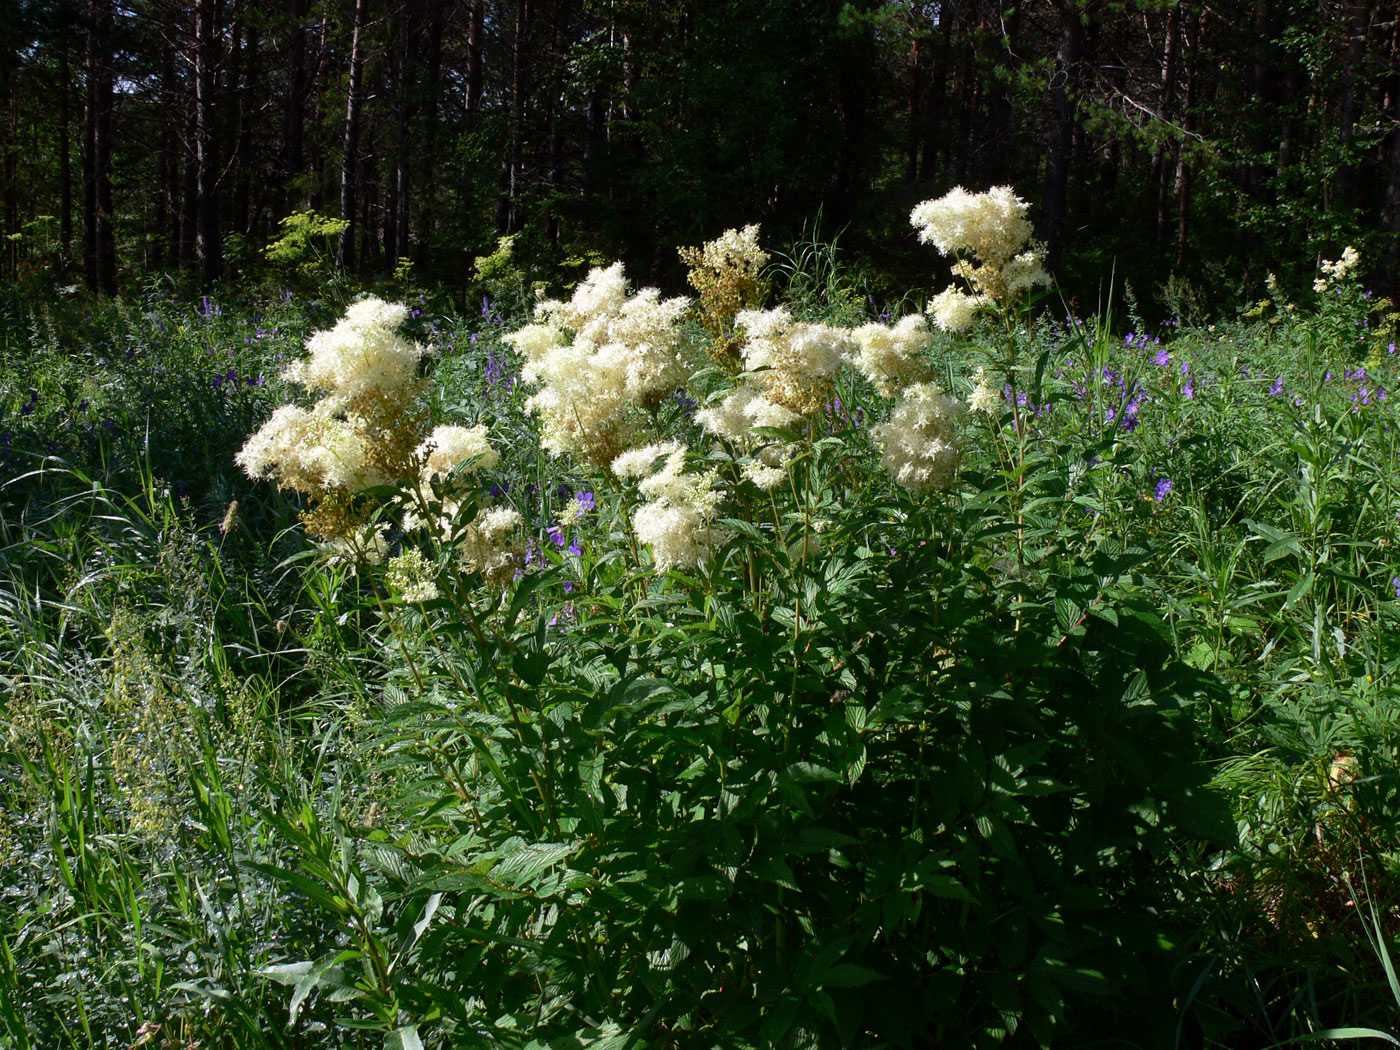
(677, 519)
(893, 357)
(920, 441)
(726, 272)
(367, 432)
(988, 236)
(1348, 316)
(602, 360)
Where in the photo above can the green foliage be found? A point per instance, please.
(1095, 746)
(305, 248)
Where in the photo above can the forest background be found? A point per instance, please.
(1187, 147)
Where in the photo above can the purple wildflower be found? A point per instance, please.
(1277, 388)
(1162, 358)
(586, 501)
(1164, 486)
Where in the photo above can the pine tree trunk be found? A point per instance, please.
(292, 159)
(1388, 270)
(1060, 150)
(476, 33)
(10, 95)
(1165, 162)
(508, 214)
(427, 197)
(99, 244)
(346, 256)
(207, 248)
(1191, 37)
(243, 143)
(65, 159)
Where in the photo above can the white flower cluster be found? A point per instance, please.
(311, 451)
(594, 357)
(448, 447)
(677, 521)
(1337, 269)
(991, 225)
(889, 354)
(491, 545)
(733, 251)
(953, 309)
(989, 233)
(411, 577)
(792, 361)
(368, 374)
(919, 441)
(743, 409)
(362, 357)
(367, 545)
(985, 397)
(791, 365)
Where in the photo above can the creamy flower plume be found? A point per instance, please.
(792, 361)
(743, 409)
(889, 355)
(953, 309)
(920, 440)
(491, 545)
(412, 577)
(676, 522)
(985, 397)
(364, 432)
(991, 225)
(1337, 269)
(989, 235)
(310, 452)
(447, 447)
(733, 251)
(725, 272)
(362, 357)
(594, 357)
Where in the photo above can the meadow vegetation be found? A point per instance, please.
(779, 667)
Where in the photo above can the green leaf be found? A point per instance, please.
(848, 975)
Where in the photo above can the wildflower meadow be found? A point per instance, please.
(555, 662)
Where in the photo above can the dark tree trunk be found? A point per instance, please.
(1191, 38)
(555, 124)
(349, 160)
(476, 33)
(10, 95)
(207, 249)
(291, 163)
(935, 113)
(247, 110)
(99, 244)
(1165, 163)
(189, 184)
(65, 158)
(396, 231)
(1388, 271)
(509, 216)
(998, 163)
(1060, 149)
(90, 78)
(1357, 29)
(913, 104)
(167, 223)
(428, 193)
